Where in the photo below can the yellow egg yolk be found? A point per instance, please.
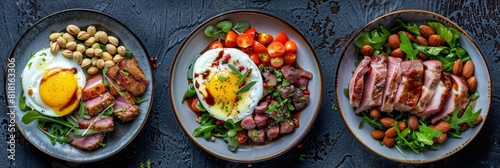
(59, 90)
(222, 86)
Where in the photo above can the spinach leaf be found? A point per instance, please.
(241, 26)
(374, 38)
(191, 67)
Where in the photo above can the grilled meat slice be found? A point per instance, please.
(432, 77)
(410, 88)
(287, 126)
(260, 120)
(98, 104)
(374, 83)
(87, 143)
(261, 108)
(459, 98)
(127, 75)
(356, 85)
(99, 124)
(391, 83)
(125, 108)
(443, 91)
(93, 88)
(272, 131)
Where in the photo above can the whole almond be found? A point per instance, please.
(435, 40)
(457, 67)
(468, 69)
(398, 53)
(478, 120)
(402, 125)
(409, 35)
(472, 82)
(426, 31)
(375, 113)
(391, 132)
(413, 122)
(441, 139)
(422, 56)
(432, 126)
(443, 127)
(422, 41)
(464, 127)
(377, 134)
(389, 141)
(394, 41)
(367, 50)
(387, 121)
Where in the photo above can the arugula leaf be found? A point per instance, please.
(374, 38)
(190, 92)
(398, 24)
(375, 123)
(32, 115)
(450, 35)
(54, 138)
(431, 50)
(468, 117)
(407, 47)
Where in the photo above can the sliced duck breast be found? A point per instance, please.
(443, 91)
(459, 98)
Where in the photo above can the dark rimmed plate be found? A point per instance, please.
(196, 42)
(36, 38)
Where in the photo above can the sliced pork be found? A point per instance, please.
(432, 77)
(459, 98)
(127, 75)
(356, 85)
(443, 91)
(87, 143)
(410, 87)
(125, 108)
(100, 103)
(391, 83)
(374, 83)
(97, 123)
(93, 87)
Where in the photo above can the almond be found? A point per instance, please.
(478, 120)
(413, 122)
(389, 141)
(464, 127)
(409, 35)
(468, 69)
(402, 125)
(391, 132)
(426, 31)
(394, 41)
(387, 121)
(367, 50)
(435, 40)
(457, 67)
(375, 113)
(422, 41)
(440, 139)
(472, 82)
(377, 134)
(422, 56)
(432, 126)
(398, 53)
(443, 127)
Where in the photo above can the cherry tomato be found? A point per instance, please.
(289, 57)
(265, 38)
(281, 37)
(241, 137)
(251, 32)
(231, 38)
(193, 106)
(216, 44)
(244, 40)
(276, 49)
(276, 62)
(255, 57)
(258, 47)
(264, 58)
(290, 46)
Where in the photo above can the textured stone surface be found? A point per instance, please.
(328, 25)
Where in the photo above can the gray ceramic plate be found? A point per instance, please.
(451, 145)
(197, 42)
(36, 38)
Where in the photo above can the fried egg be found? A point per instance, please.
(52, 84)
(217, 84)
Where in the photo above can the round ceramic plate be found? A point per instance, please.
(451, 145)
(37, 37)
(196, 42)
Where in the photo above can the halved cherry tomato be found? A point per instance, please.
(276, 49)
(258, 47)
(290, 57)
(251, 32)
(231, 38)
(276, 62)
(281, 37)
(193, 105)
(255, 57)
(241, 137)
(290, 46)
(244, 40)
(216, 44)
(265, 38)
(264, 58)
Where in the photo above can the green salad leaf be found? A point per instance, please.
(407, 47)
(468, 117)
(374, 38)
(398, 24)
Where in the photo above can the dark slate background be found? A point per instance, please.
(328, 25)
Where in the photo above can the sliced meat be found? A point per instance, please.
(287, 91)
(272, 131)
(432, 77)
(270, 78)
(260, 120)
(290, 73)
(93, 88)
(129, 96)
(87, 143)
(300, 100)
(125, 108)
(305, 74)
(459, 98)
(248, 123)
(97, 123)
(273, 114)
(302, 83)
(374, 83)
(356, 85)
(127, 75)
(287, 126)
(391, 83)
(98, 104)
(257, 136)
(261, 107)
(443, 91)
(411, 85)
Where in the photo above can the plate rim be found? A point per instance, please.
(152, 81)
(415, 11)
(308, 44)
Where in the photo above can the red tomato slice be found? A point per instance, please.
(255, 57)
(193, 105)
(265, 38)
(244, 40)
(264, 58)
(258, 47)
(251, 31)
(276, 62)
(231, 39)
(216, 44)
(290, 57)
(276, 49)
(290, 46)
(281, 37)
